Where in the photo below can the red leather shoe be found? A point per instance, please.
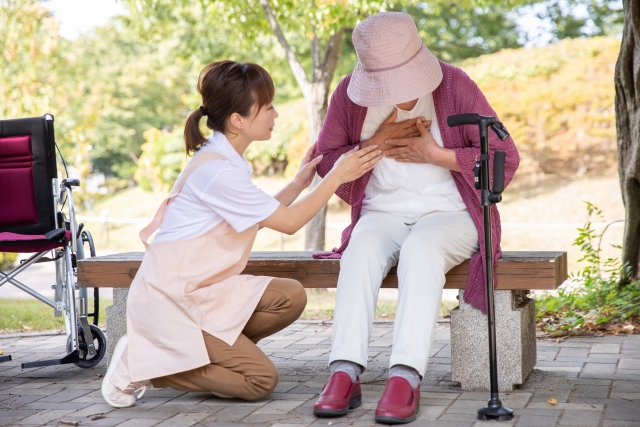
(399, 403)
(338, 395)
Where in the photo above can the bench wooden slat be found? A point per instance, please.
(516, 270)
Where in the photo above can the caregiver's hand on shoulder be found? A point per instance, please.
(307, 168)
(355, 163)
(350, 166)
(389, 130)
(421, 149)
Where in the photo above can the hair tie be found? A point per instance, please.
(203, 111)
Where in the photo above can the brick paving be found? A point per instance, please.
(596, 382)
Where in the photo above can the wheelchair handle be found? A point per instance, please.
(70, 182)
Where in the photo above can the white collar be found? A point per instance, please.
(416, 108)
(219, 143)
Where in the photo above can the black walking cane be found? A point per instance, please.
(494, 408)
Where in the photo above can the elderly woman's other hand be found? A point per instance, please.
(421, 149)
(388, 130)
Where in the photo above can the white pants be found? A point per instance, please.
(427, 249)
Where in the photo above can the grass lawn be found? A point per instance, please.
(320, 304)
(27, 315)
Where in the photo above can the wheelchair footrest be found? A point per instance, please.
(72, 357)
(5, 358)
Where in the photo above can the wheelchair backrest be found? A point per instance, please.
(27, 171)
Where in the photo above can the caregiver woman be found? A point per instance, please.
(418, 209)
(193, 320)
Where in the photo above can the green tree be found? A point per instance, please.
(456, 31)
(581, 18)
(310, 32)
(30, 55)
(39, 74)
(128, 84)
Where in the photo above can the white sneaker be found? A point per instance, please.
(117, 375)
(222, 396)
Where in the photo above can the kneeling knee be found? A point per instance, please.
(264, 384)
(298, 298)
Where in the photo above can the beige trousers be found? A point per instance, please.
(243, 370)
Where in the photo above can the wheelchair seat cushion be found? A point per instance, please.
(14, 242)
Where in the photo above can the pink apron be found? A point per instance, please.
(185, 287)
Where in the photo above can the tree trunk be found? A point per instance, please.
(317, 100)
(316, 95)
(627, 85)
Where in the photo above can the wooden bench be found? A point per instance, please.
(518, 273)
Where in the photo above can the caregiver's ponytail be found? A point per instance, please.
(227, 87)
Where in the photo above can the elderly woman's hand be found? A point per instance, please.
(421, 149)
(389, 130)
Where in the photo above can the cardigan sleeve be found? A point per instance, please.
(334, 140)
(466, 156)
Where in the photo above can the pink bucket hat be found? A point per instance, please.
(394, 66)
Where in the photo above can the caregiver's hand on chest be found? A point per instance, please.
(421, 149)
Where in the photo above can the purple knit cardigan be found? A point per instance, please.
(456, 94)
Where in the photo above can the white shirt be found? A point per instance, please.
(408, 190)
(216, 191)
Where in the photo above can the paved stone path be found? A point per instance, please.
(596, 382)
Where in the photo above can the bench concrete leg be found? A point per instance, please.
(116, 319)
(516, 342)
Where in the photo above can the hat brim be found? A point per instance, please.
(417, 78)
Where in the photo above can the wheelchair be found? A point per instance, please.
(33, 220)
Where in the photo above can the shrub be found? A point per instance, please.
(593, 300)
(557, 101)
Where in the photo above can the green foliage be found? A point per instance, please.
(130, 85)
(31, 56)
(271, 156)
(139, 71)
(600, 17)
(163, 153)
(593, 299)
(453, 31)
(163, 157)
(7, 259)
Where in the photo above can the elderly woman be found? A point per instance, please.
(418, 209)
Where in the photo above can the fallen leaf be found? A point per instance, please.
(98, 417)
(628, 328)
(69, 423)
(552, 401)
(1, 352)
(27, 328)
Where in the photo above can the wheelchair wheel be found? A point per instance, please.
(99, 341)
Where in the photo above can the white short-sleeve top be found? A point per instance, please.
(219, 190)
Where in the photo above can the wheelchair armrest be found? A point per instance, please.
(70, 182)
(55, 234)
